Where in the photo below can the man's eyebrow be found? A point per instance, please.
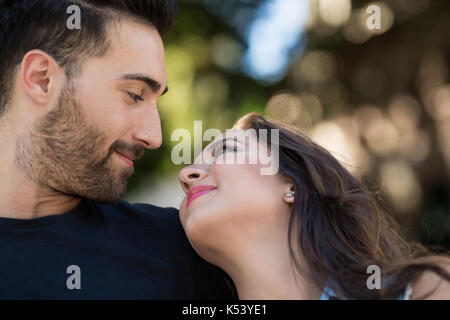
(154, 85)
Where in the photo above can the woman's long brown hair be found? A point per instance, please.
(338, 224)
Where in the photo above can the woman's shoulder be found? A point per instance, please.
(432, 282)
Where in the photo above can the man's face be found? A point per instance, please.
(104, 118)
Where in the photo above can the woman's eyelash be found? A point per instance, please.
(136, 98)
(224, 148)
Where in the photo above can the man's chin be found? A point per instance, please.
(111, 198)
(113, 192)
(110, 193)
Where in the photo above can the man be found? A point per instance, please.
(77, 107)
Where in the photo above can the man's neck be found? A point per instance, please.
(22, 199)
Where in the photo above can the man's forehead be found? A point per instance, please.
(138, 49)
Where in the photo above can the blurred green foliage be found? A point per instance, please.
(387, 92)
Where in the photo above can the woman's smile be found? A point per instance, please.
(198, 191)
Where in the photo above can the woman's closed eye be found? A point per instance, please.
(225, 148)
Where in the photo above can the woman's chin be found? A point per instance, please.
(209, 253)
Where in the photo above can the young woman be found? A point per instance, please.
(310, 231)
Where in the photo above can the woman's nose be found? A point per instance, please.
(188, 176)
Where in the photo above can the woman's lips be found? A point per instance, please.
(198, 191)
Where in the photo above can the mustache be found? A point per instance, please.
(134, 149)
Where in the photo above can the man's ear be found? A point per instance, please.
(39, 73)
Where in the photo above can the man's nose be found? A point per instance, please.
(191, 175)
(148, 130)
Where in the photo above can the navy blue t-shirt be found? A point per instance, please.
(99, 251)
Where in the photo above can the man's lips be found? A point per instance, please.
(127, 159)
(198, 191)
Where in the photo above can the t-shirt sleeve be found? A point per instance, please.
(206, 281)
(209, 281)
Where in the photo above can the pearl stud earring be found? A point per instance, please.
(289, 194)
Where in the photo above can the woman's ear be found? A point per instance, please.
(288, 191)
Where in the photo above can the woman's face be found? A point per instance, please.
(229, 204)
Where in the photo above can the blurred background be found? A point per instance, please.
(378, 99)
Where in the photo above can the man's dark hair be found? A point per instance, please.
(42, 24)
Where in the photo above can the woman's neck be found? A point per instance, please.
(268, 273)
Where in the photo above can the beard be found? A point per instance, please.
(66, 154)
